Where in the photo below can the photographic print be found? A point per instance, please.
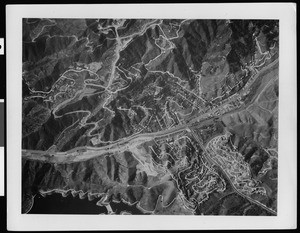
(150, 116)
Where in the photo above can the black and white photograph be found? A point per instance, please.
(157, 115)
(150, 116)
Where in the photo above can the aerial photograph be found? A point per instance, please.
(150, 116)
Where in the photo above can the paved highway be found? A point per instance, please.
(85, 153)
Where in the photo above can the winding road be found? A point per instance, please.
(84, 153)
